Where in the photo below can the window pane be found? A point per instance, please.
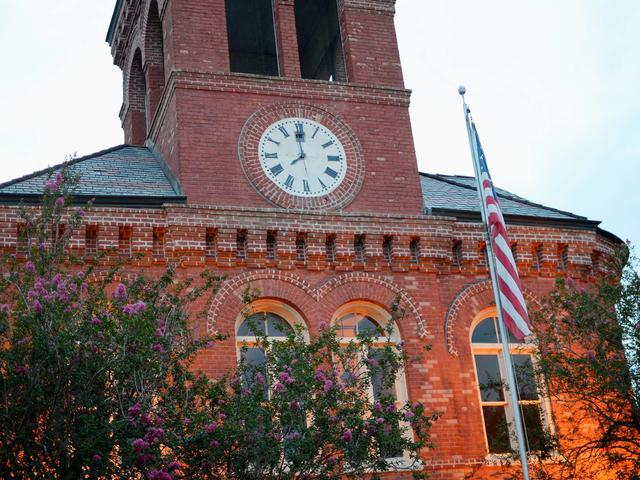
(381, 382)
(489, 378)
(347, 326)
(533, 424)
(253, 356)
(252, 42)
(367, 325)
(277, 326)
(252, 325)
(524, 375)
(495, 423)
(485, 332)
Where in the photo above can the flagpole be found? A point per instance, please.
(511, 378)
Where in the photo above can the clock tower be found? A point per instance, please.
(271, 103)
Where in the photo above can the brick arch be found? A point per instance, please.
(228, 301)
(366, 286)
(309, 301)
(465, 306)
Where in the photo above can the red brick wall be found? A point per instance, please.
(441, 299)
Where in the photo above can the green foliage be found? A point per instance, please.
(96, 379)
(588, 340)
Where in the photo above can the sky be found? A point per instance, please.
(553, 88)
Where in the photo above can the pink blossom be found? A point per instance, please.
(59, 202)
(4, 308)
(154, 434)
(139, 444)
(260, 380)
(120, 292)
(59, 179)
(30, 268)
(37, 306)
(81, 212)
(284, 377)
(135, 308)
(211, 427)
(379, 420)
(409, 415)
(417, 405)
(50, 186)
(347, 436)
(323, 325)
(97, 458)
(328, 385)
(391, 408)
(157, 348)
(186, 421)
(377, 406)
(278, 387)
(214, 444)
(221, 417)
(159, 332)
(221, 402)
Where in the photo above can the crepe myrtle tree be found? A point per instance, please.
(588, 342)
(97, 378)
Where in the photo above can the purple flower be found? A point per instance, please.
(97, 458)
(214, 444)
(379, 420)
(590, 356)
(96, 321)
(377, 406)
(59, 178)
(50, 186)
(260, 380)
(319, 375)
(292, 435)
(211, 427)
(284, 377)
(417, 405)
(372, 362)
(135, 308)
(159, 332)
(328, 385)
(173, 465)
(120, 292)
(571, 283)
(29, 267)
(159, 475)
(157, 348)
(4, 308)
(278, 387)
(22, 369)
(221, 417)
(139, 444)
(60, 202)
(333, 419)
(186, 421)
(391, 408)
(37, 306)
(323, 325)
(409, 415)
(347, 436)
(81, 212)
(134, 410)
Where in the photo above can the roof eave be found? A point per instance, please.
(122, 201)
(114, 20)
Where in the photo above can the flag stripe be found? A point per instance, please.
(514, 307)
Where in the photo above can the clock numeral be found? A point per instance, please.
(284, 131)
(333, 158)
(270, 155)
(269, 139)
(289, 182)
(315, 133)
(305, 186)
(299, 132)
(323, 185)
(332, 173)
(276, 170)
(328, 144)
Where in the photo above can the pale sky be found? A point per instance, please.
(553, 86)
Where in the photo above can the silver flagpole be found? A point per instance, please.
(511, 378)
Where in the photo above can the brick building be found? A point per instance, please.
(270, 141)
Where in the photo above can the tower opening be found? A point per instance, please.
(154, 58)
(319, 40)
(252, 39)
(137, 98)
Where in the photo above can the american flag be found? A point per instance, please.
(514, 308)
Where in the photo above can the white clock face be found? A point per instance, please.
(302, 157)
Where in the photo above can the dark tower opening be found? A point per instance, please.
(154, 57)
(319, 40)
(252, 39)
(137, 98)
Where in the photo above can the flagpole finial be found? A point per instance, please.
(462, 90)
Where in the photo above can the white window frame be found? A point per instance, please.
(526, 348)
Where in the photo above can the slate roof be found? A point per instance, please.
(135, 177)
(124, 175)
(456, 195)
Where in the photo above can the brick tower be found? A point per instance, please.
(269, 141)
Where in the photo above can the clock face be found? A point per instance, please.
(302, 157)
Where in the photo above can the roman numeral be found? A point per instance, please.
(323, 185)
(328, 144)
(333, 158)
(270, 155)
(289, 182)
(332, 173)
(277, 170)
(305, 186)
(315, 133)
(284, 131)
(269, 139)
(299, 128)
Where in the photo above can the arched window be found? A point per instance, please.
(358, 318)
(492, 381)
(251, 36)
(137, 94)
(270, 317)
(154, 57)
